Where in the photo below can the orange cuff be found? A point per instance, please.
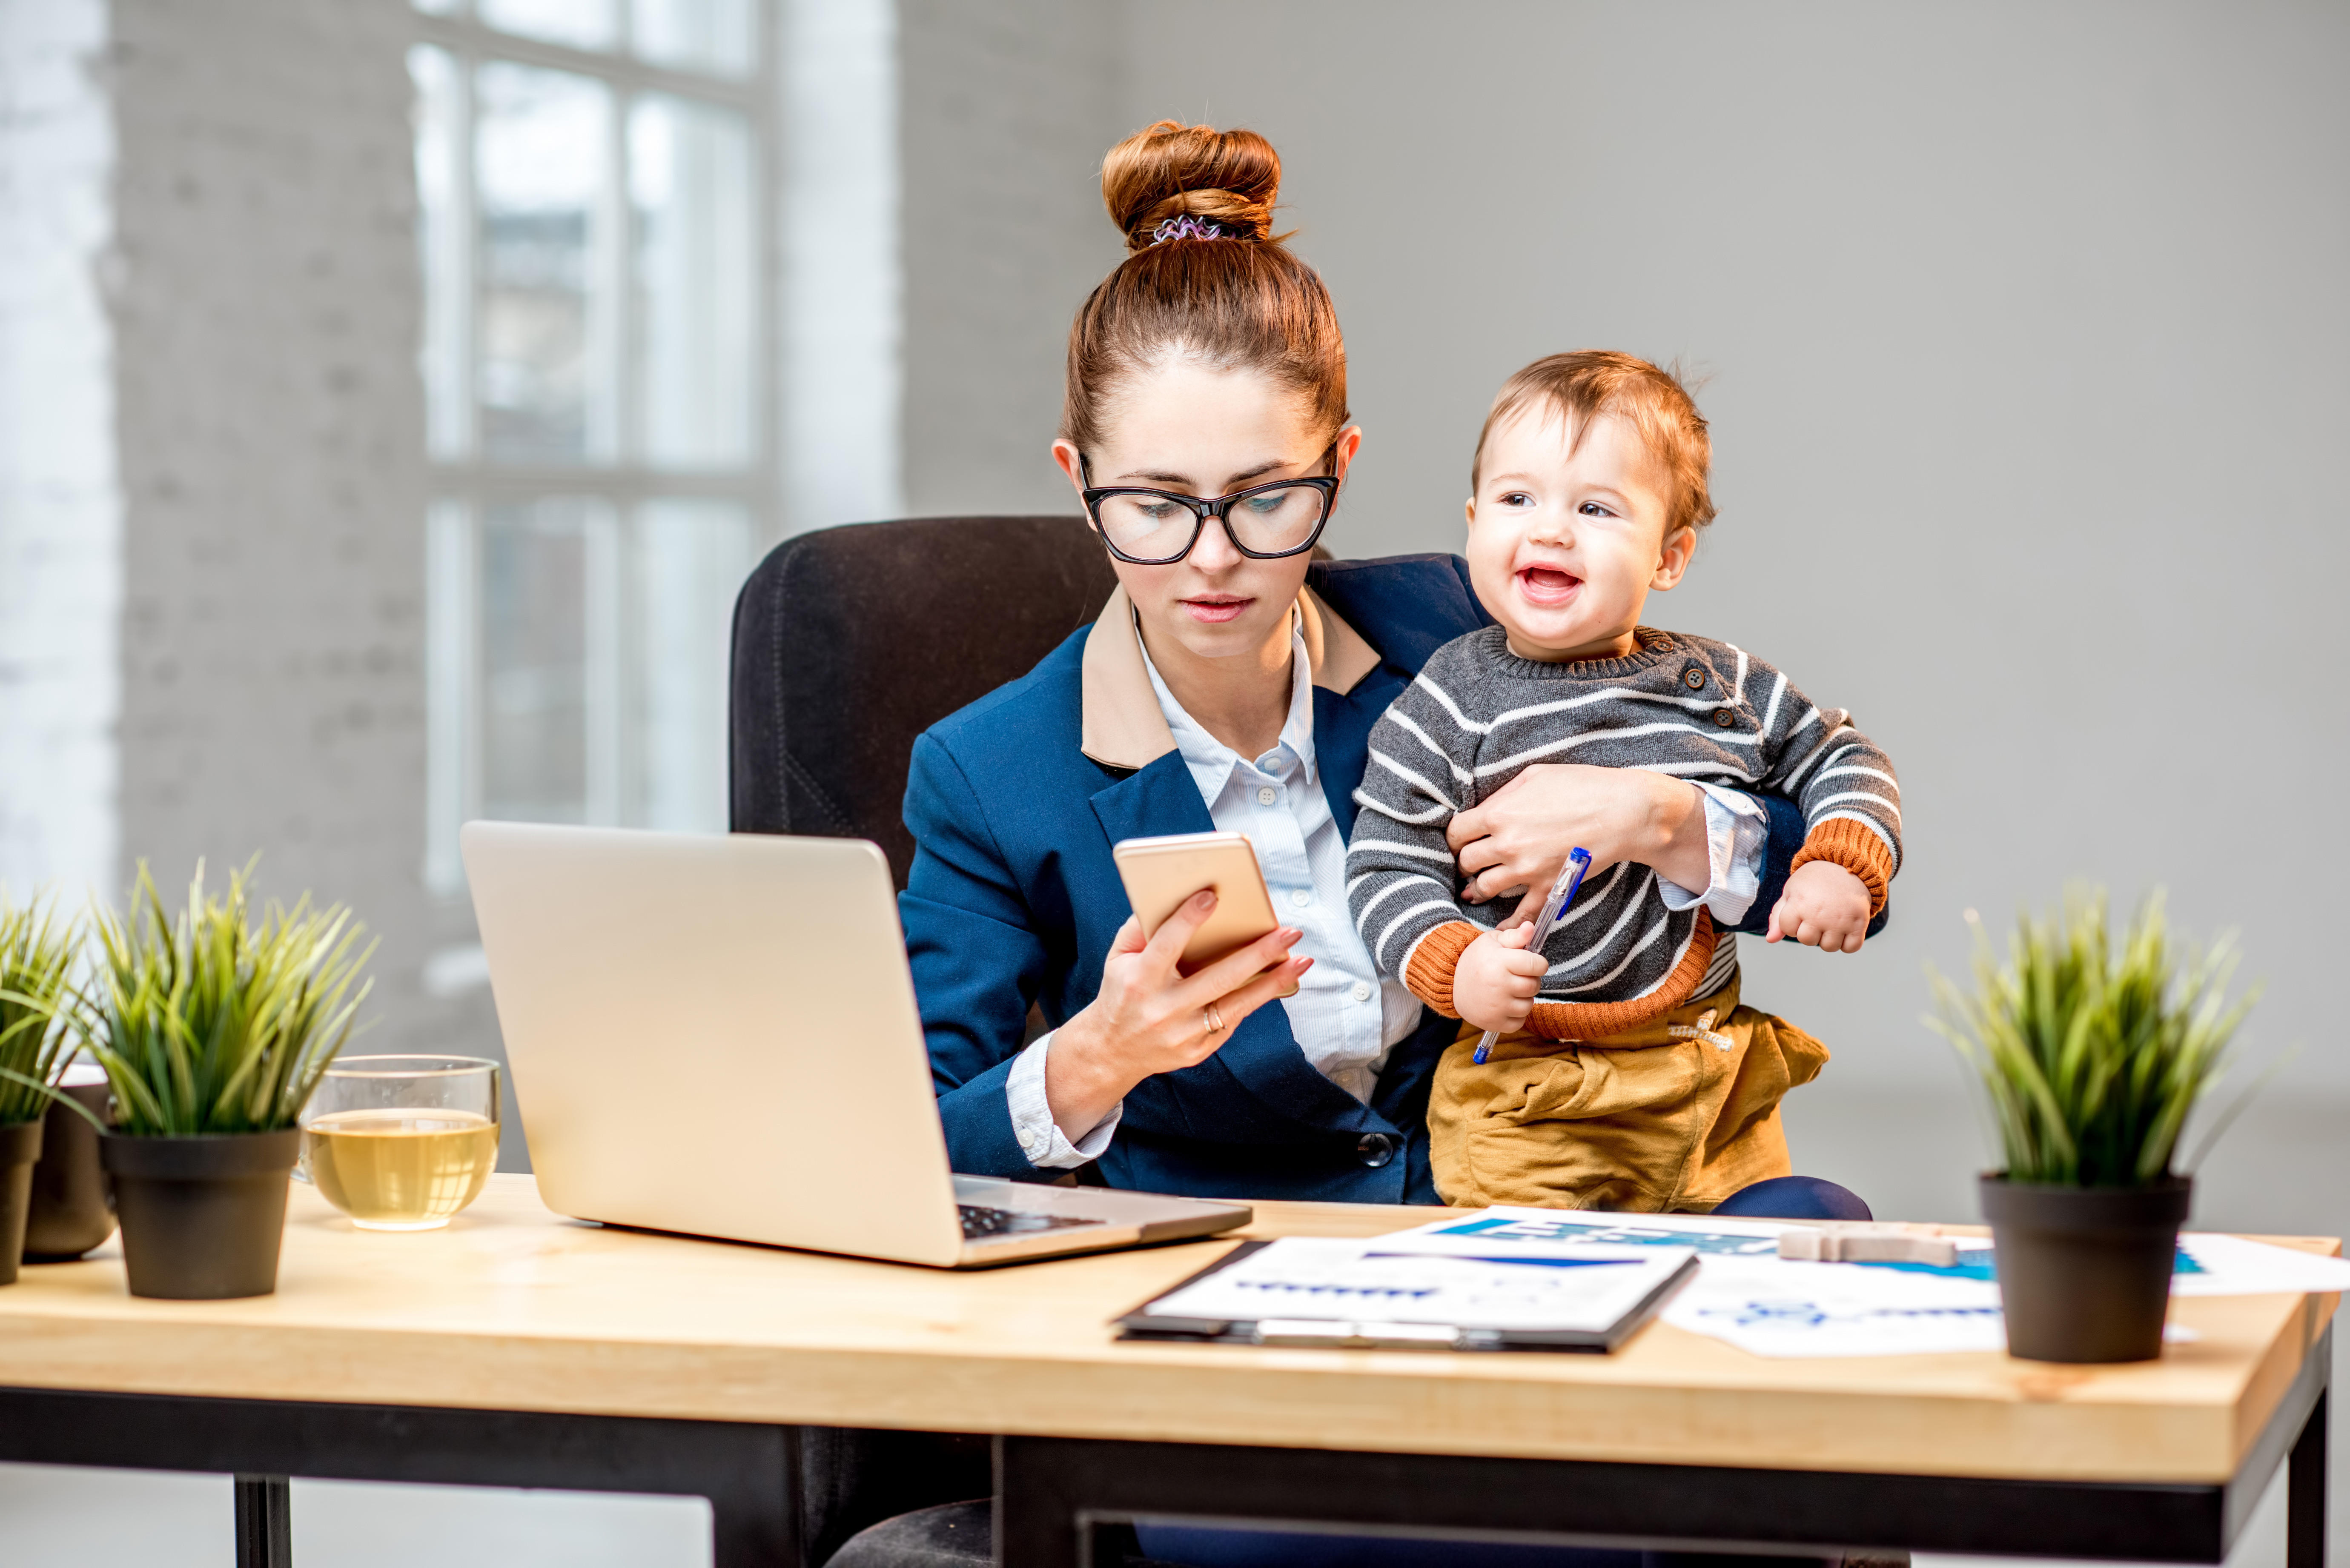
(1856, 846)
(1429, 973)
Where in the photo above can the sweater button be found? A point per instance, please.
(1693, 678)
(1723, 717)
(1375, 1149)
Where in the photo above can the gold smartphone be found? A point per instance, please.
(1160, 873)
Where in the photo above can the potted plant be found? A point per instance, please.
(37, 957)
(2092, 1060)
(212, 1034)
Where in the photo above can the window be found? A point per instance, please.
(596, 359)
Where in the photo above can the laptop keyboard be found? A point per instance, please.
(979, 1223)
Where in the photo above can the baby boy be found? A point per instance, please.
(1627, 1076)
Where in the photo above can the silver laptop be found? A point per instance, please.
(717, 1035)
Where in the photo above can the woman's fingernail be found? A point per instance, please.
(1205, 897)
(1290, 936)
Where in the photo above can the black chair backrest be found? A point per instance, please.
(850, 642)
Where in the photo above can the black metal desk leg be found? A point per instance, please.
(753, 1492)
(1037, 1522)
(2305, 1482)
(265, 1522)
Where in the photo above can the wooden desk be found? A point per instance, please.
(519, 1348)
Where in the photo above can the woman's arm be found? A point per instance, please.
(1519, 837)
(1148, 1019)
(977, 962)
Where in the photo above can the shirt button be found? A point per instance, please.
(1723, 717)
(1301, 897)
(1362, 990)
(1693, 678)
(1375, 1149)
(1267, 794)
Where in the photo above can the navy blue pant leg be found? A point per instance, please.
(1197, 1546)
(1794, 1198)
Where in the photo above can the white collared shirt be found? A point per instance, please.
(1345, 1017)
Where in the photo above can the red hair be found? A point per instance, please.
(1238, 300)
(1590, 382)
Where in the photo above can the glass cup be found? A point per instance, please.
(401, 1143)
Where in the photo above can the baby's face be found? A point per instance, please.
(1563, 548)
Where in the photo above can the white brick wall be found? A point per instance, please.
(61, 511)
(272, 467)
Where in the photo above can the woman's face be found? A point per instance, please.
(1197, 431)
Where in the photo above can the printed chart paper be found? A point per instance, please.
(1311, 1278)
(1747, 1295)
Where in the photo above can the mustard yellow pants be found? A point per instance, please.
(1673, 1116)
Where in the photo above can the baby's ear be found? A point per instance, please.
(1469, 510)
(1673, 558)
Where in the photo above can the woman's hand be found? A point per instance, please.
(1148, 1019)
(1519, 837)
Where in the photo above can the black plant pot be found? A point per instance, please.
(2085, 1271)
(73, 1207)
(202, 1216)
(20, 1147)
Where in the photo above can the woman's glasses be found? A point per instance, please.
(1159, 527)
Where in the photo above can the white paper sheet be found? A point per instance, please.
(1508, 1228)
(1769, 1307)
(2233, 1266)
(1746, 1295)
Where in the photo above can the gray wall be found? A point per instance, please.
(1007, 109)
(2025, 331)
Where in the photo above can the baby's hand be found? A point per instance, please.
(1825, 907)
(1495, 982)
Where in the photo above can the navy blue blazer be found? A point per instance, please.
(1015, 899)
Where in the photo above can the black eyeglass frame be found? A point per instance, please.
(1204, 507)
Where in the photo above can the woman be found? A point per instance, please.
(1231, 682)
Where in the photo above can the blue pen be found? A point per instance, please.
(1561, 894)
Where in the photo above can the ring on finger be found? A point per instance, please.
(1212, 1019)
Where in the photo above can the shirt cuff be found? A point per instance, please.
(1041, 1140)
(1737, 830)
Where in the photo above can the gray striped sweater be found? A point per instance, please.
(1683, 705)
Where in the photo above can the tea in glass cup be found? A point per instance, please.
(401, 1143)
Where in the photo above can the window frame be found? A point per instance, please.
(465, 488)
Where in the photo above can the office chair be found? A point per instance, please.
(850, 642)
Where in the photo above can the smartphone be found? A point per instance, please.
(1160, 873)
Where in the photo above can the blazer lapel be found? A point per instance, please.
(1342, 743)
(1159, 798)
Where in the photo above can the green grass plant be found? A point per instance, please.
(207, 1024)
(36, 966)
(2092, 1057)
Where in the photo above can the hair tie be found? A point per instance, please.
(1187, 227)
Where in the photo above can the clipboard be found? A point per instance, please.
(1143, 1325)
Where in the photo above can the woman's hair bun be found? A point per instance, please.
(1228, 178)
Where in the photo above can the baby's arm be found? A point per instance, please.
(1495, 981)
(1401, 882)
(1823, 907)
(1851, 800)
